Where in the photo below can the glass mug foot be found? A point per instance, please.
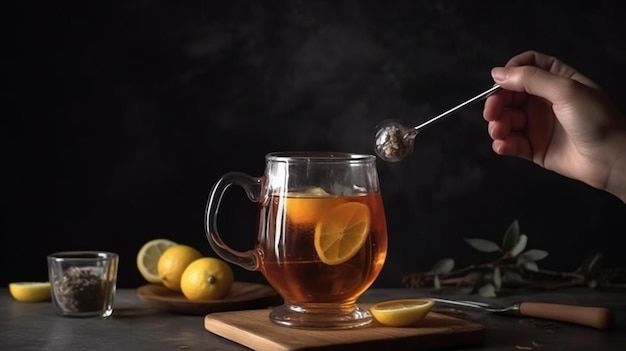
(315, 318)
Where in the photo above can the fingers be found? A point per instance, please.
(500, 108)
(511, 121)
(496, 103)
(507, 126)
(549, 64)
(493, 107)
(514, 145)
(534, 81)
(544, 62)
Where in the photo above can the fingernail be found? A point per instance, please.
(499, 74)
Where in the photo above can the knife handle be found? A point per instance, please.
(596, 317)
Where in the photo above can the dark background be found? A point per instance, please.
(121, 115)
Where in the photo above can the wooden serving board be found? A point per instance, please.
(253, 329)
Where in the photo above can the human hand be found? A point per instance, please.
(553, 115)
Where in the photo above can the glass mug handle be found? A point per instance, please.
(252, 186)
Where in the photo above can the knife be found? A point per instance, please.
(595, 317)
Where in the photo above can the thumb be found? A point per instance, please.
(532, 80)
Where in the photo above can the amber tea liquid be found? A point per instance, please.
(291, 263)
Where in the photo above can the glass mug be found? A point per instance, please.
(321, 234)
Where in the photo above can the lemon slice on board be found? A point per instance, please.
(341, 233)
(401, 313)
(148, 258)
(30, 291)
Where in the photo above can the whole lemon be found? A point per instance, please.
(173, 262)
(207, 278)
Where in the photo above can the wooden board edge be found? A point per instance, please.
(250, 340)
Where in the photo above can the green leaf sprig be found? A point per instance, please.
(515, 266)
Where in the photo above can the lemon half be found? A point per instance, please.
(148, 258)
(401, 313)
(30, 291)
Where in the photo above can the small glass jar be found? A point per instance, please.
(83, 282)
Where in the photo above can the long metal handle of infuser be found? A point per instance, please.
(482, 95)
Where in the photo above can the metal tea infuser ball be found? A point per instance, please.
(394, 141)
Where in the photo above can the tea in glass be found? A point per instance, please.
(331, 249)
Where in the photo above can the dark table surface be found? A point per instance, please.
(136, 326)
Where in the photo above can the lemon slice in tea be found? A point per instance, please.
(307, 207)
(341, 233)
(401, 313)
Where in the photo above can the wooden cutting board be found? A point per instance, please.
(253, 329)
